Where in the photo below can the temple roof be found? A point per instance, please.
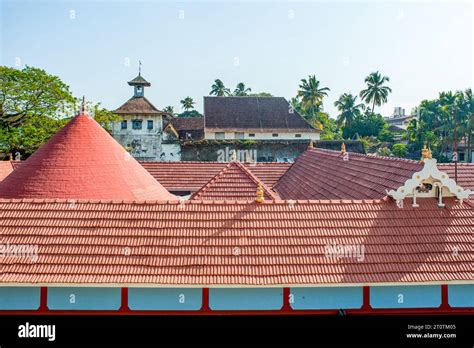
(82, 161)
(138, 106)
(324, 174)
(234, 182)
(191, 176)
(201, 243)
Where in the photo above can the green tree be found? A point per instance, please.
(312, 95)
(169, 109)
(367, 124)
(191, 113)
(348, 109)
(218, 89)
(241, 90)
(384, 151)
(187, 103)
(376, 92)
(31, 92)
(466, 108)
(399, 150)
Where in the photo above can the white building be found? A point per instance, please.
(254, 118)
(140, 129)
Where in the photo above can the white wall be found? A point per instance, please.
(266, 136)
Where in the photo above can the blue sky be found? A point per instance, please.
(94, 46)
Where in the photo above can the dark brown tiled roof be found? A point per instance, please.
(188, 123)
(227, 243)
(138, 105)
(139, 80)
(259, 114)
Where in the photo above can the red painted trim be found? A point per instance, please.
(366, 298)
(286, 300)
(205, 301)
(124, 302)
(286, 309)
(444, 297)
(397, 311)
(43, 299)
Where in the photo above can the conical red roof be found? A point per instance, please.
(82, 161)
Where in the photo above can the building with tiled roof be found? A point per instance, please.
(190, 177)
(140, 129)
(233, 252)
(257, 118)
(234, 182)
(188, 128)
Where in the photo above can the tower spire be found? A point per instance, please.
(83, 106)
(139, 68)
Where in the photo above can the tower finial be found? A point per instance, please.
(260, 194)
(343, 148)
(83, 106)
(426, 153)
(139, 68)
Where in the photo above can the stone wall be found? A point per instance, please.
(261, 151)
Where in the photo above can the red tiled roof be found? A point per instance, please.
(191, 176)
(6, 167)
(465, 173)
(82, 161)
(323, 174)
(233, 182)
(224, 243)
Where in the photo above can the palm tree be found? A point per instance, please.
(187, 103)
(169, 109)
(312, 94)
(218, 89)
(241, 90)
(375, 93)
(349, 110)
(467, 107)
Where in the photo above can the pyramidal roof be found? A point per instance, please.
(82, 161)
(138, 105)
(233, 182)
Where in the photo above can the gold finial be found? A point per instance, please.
(311, 144)
(343, 148)
(260, 196)
(426, 153)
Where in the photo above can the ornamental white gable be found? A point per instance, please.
(429, 182)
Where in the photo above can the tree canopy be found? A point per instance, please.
(34, 105)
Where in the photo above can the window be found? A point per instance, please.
(220, 135)
(239, 135)
(297, 135)
(124, 124)
(251, 135)
(150, 124)
(275, 135)
(139, 89)
(461, 156)
(137, 124)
